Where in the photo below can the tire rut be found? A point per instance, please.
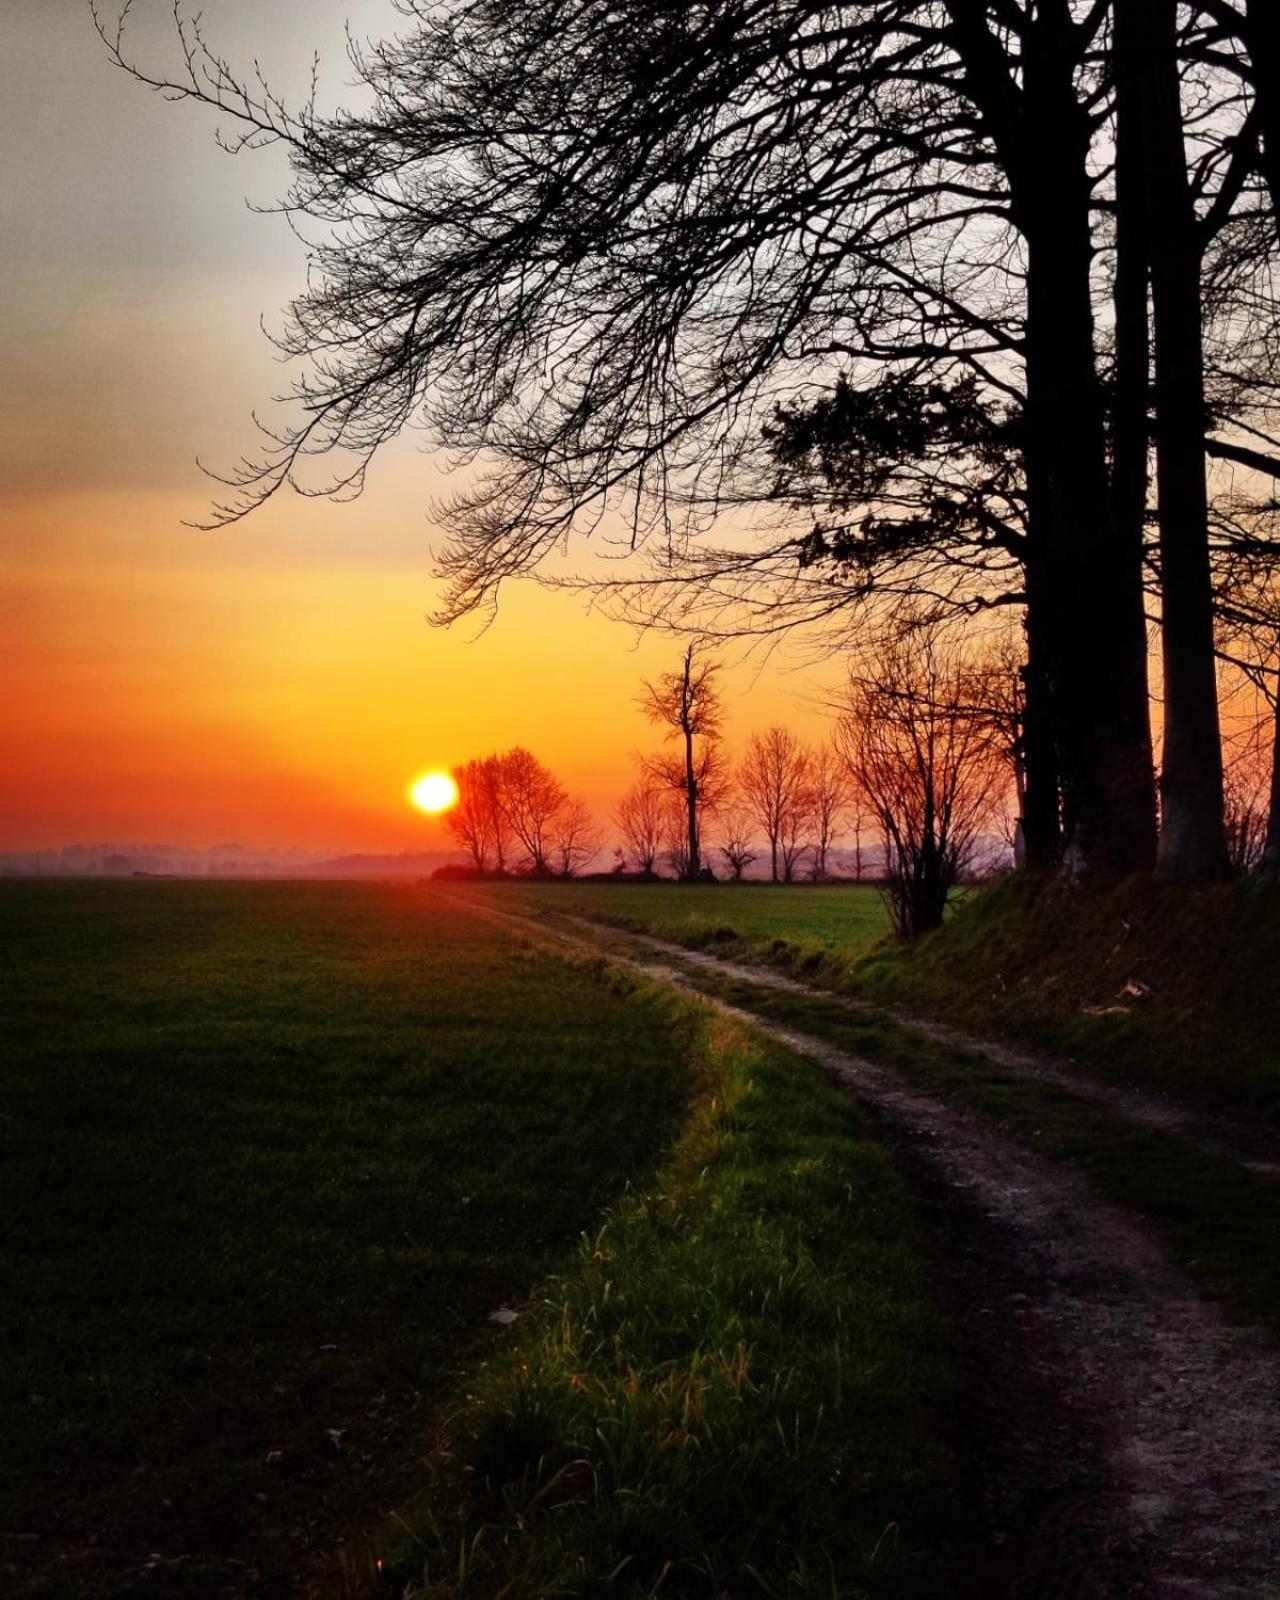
(1121, 1434)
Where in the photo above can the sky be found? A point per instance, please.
(276, 682)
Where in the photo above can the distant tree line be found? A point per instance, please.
(923, 761)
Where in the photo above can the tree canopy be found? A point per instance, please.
(989, 279)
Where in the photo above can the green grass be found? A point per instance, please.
(835, 923)
(1042, 962)
(1049, 964)
(269, 1154)
(1221, 1220)
(735, 1388)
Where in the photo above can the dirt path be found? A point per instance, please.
(1124, 1436)
(1142, 1108)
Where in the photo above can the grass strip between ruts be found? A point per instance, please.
(737, 1386)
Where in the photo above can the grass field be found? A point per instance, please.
(271, 1154)
(735, 1387)
(840, 922)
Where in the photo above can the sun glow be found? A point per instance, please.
(434, 792)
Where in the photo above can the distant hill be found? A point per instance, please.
(222, 861)
(408, 864)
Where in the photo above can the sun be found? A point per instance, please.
(434, 792)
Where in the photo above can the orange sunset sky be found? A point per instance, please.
(274, 683)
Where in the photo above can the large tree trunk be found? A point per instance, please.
(1091, 606)
(1130, 430)
(1040, 811)
(1192, 836)
(1262, 38)
(1269, 867)
(1088, 606)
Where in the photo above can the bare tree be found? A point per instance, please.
(995, 694)
(930, 776)
(595, 244)
(676, 842)
(737, 840)
(775, 777)
(1247, 785)
(576, 840)
(1269, 864)
(471, 820)
(1249, 755)
(687, 704)
(531, 800)
(479, 821)
(501, 832)
(795, 841)
(642, 819)
(831, 794)
(858, 827)
(1249, 646)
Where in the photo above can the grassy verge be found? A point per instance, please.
(1170, 987)
(735, 1388)
(1220, 1219)
(269, 1154)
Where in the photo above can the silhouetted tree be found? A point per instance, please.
(830, 801)
(501, 832)
(858, 826)
(471, 820)
(1247, 787)
(592, 245)
(687, 704)
(531, 800)
(921, 487)
(737, 843)
(576, 839)
(1146, 45)
(643, 822)
(776, 781)
(930, 776)
(676, 844)
(1248, 613)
